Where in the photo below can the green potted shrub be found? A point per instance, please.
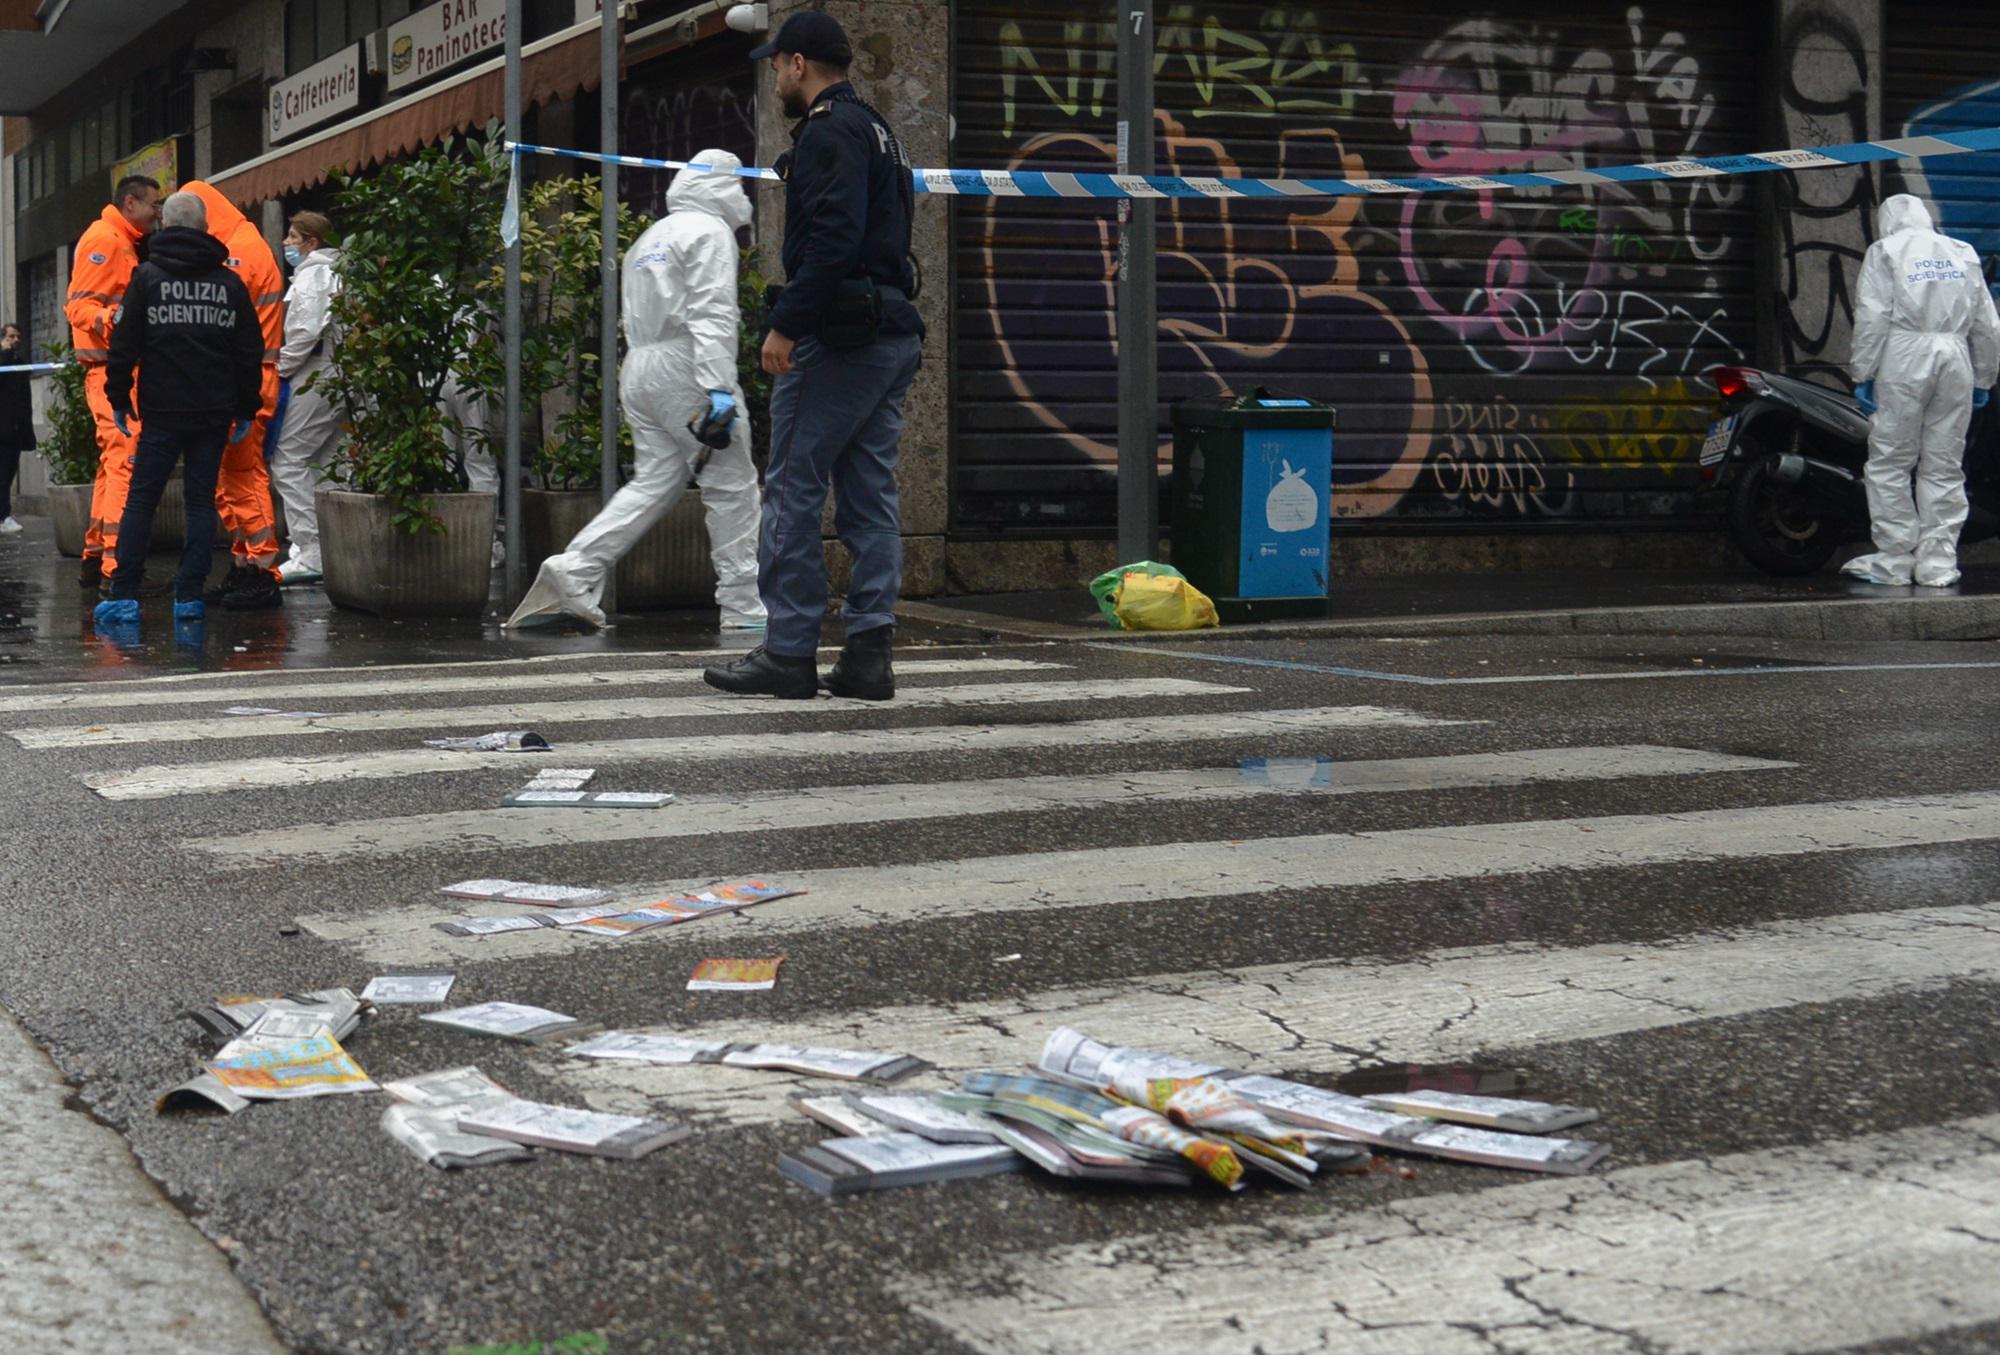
(69, 451)
(401, 533)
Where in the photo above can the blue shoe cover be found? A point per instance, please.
(117, 611)
(194, 609)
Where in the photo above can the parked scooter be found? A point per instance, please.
(1790, 454)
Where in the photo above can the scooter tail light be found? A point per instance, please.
(1731, 381)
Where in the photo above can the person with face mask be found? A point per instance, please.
(17, 422)
(244, 484)
(311, 430)
(1926, 354)
(679, 307)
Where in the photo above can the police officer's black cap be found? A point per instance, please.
(812, 35)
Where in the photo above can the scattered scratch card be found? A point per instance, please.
(725, 976)
(410, 987)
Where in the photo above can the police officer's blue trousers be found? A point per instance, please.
(835, 421)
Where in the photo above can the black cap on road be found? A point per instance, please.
(814, 36)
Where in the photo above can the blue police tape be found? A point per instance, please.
(1024, 183)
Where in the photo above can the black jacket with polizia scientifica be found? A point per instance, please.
(188, 325)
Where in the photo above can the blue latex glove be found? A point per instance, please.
(1864, 395)
(721, 405)
(240, 430)
(1979, 398)
(118, 416)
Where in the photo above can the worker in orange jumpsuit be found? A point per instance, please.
(105, 259)
(243, 489)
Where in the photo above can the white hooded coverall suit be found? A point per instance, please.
(1926, 333)
(679, 310)
(312, 425)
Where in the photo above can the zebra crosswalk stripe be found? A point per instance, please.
(1048, 882)
(841, 806)
(158, 781)
(447, 682)
(1798, 1248)
(1326, 1016)
(518, 714)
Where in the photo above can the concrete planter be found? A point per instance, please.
(669, 567)
(69, 511)
(373, 567)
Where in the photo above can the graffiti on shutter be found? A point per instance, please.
(1508, 356)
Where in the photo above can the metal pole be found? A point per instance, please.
(607, 263)
(1138, 353)
(510, 482)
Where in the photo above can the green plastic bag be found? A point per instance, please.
(1105, 586)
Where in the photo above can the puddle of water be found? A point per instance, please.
(1287, 771)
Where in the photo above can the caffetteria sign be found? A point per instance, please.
(321, 92)
(433, 41)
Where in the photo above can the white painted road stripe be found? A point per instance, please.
(447, 680)
(153, 782)
(1327, 1016)
(1839, 1244)
(489, 830)
(433, 666)
(534, 714)
(1034, 882)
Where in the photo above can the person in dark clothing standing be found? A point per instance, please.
(844, 343)
(17, 422)
(188, 323)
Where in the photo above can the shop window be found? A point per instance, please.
(329, 29)
(93, 142)
(298, 36)
(237, 125)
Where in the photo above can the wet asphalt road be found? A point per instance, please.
(116, 924)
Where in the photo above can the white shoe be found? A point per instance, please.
(1880, 567)
(297, 571)
(9, 527)
(1937, 573)
(734, 620)
(548, 598)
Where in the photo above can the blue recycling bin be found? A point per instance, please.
(1252, 492)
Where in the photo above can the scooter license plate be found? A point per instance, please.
(1720, 434)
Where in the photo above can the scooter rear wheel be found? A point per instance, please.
(1780, 528)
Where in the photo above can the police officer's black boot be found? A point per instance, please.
(863, 671)
(762, 673)
(237, 576)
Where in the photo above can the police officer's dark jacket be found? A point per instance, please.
(188, 325)
(845, 216)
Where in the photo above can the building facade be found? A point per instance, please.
(1504, 365)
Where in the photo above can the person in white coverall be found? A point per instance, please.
(467, 416)
(312, 425)
(1926, 354)
(678, 289)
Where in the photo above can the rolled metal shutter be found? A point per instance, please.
(1944, 75)
(1500, 358)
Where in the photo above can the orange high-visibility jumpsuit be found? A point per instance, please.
(105, 259)
(243, 488)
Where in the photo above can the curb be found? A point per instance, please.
(1885, 618)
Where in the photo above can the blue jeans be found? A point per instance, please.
(835, 422)
(198, 447)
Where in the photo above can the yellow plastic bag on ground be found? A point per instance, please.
(1162, 602)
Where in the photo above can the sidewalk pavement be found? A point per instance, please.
(1824, 606)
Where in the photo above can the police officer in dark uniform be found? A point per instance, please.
(844, 343)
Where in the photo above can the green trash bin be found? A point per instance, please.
(1252, 491)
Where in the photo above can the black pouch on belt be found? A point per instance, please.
(853, 318)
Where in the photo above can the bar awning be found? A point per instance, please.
(553, 68)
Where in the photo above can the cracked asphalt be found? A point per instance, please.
(117, 924)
